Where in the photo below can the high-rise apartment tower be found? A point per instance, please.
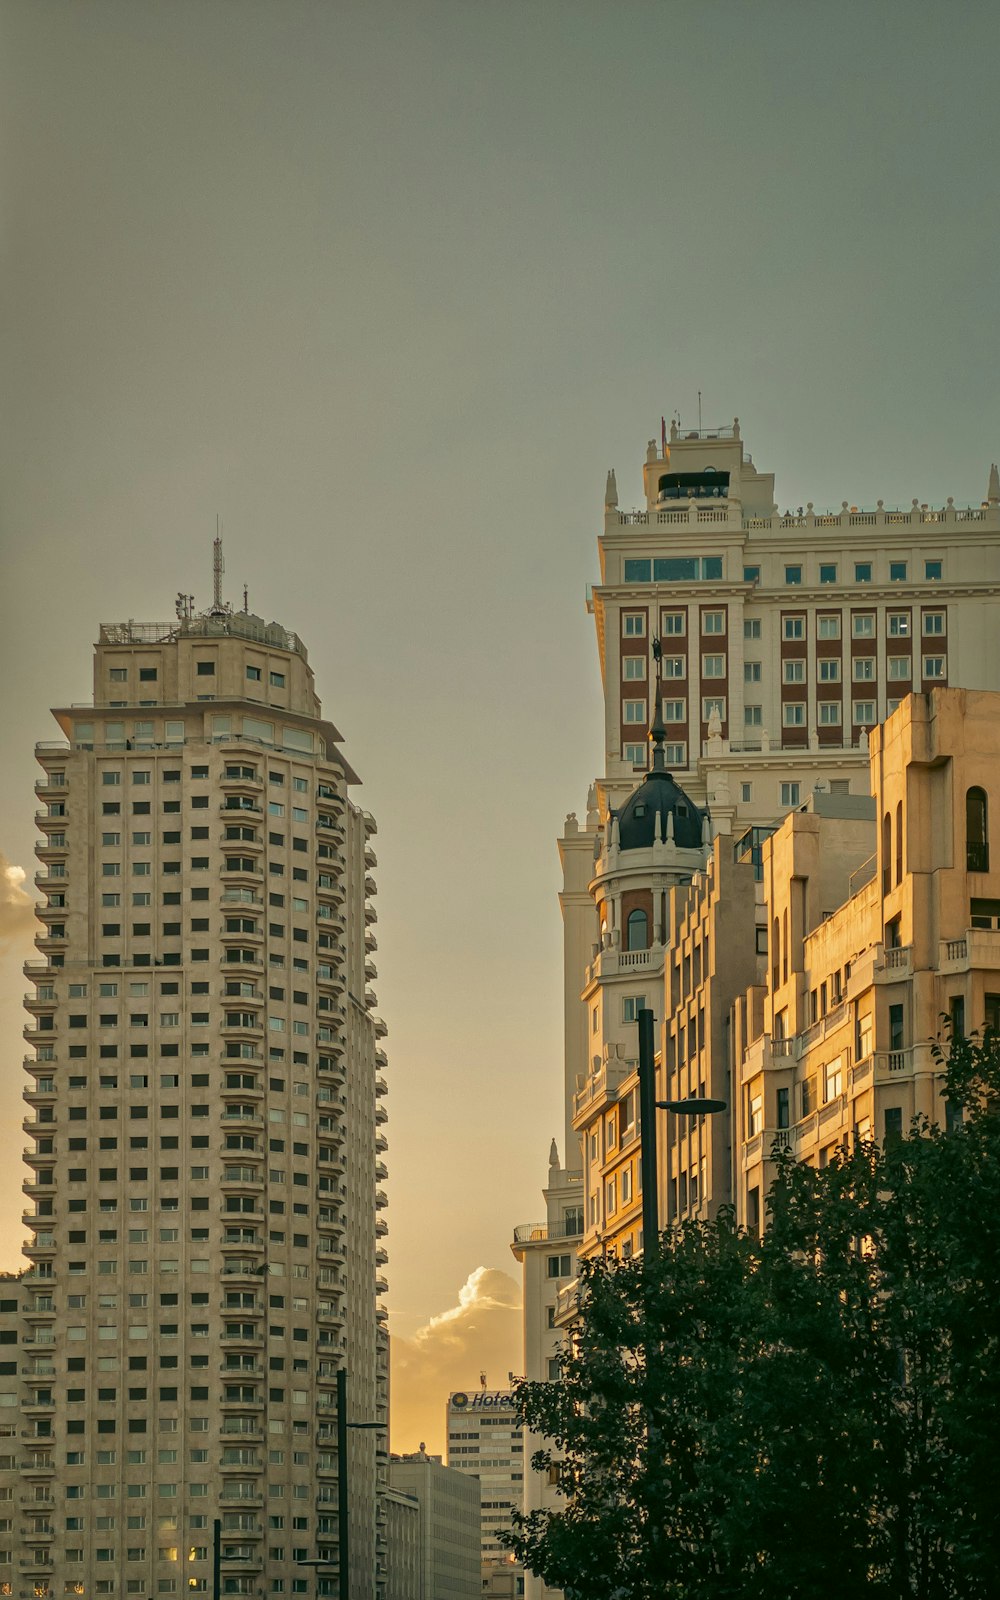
(206, 1133)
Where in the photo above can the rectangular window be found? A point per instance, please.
(673, 667)
(633, 667)
(898, 624)
(751, 627)
(674, 710)
(713, 666)
(673, 623)
(793, 714)
(675, 755)
(864, 669)
(793, 627)
(864, 713)
(897, 571)
(746, 793)
(634, 624)
(863, 625)
(899, 667)
(793, 574)
(634, 755)
(828, 627)
(829, 713)
(790, 794)
(714, 707)
(253, 674)
(276, 680)
(829, 669)
(637, 571)
(632, 1004)
(633, 711)
(751, 574)
(753, 716)
(862, 572)
(933, 622)
(828, 572)
(751, 671)
(713, 622)
(934, 666)
(793, 672)
(932, 571)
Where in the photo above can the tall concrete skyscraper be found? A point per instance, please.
(205, 1134)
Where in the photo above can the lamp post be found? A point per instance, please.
(648, 1107)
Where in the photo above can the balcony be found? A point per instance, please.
(894, 965)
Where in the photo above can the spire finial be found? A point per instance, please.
(993, 492)
(657, 733)
(611, 491)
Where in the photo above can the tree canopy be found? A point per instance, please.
(774, 1417)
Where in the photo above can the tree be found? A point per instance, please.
(769, 1417)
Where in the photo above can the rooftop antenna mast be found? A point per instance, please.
(699, 410)
(218, 567)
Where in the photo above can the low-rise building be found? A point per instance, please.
(445, 1533)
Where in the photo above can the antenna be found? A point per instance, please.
(218, 567)
(699, 410)
(246, 600)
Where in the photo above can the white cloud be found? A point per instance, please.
(17, 909)
(482, 1333)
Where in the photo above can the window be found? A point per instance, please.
(864, 713)
(753, 716)
(147, 674)
(276, 680)
(899, 666)
(633, 711)
(673, 623)
(713, 666)
(674, 710)
(862, 572)
(828, 627)
(119, 674)
(558, 1266)
(713, 622)
(863, 669)
(634, 624)
(633, 667)
(833, 1080)
(933, 622)
(632, 1004)
(675, 755)
(863, 625)
(205, 669)
(896, 1027)
(977, 839)
(829, 669)
(829, 713)
(791, 794)
(898, 624)
(828, 572)
(932, 571)
(634, 755)
(793, 714)
(714, 707)
(637, 931)
(751, 627)
(934, 666)
(751, 574)
(751, 671)
(793, 672)
(793, 627)
(793, 574)
(746, 793)
(253, 674)
(897, 571)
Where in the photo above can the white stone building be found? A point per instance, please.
(205, 1132)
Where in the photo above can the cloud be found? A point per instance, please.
(17, 909)
(482, 1333)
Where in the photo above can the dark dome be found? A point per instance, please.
(639, 818)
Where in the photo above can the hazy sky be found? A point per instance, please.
(389, 287)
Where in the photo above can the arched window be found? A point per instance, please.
(886, 853)
(899, 841)
(977, 831)
(637, 931)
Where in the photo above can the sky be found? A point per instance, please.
(388, 287)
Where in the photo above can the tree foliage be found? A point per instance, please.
(775, 1418)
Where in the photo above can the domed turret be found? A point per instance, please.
(659, 808)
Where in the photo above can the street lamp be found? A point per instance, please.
(693, 1106)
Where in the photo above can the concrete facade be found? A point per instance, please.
(205, 1131)
(485, 1442)
(448, 1527)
